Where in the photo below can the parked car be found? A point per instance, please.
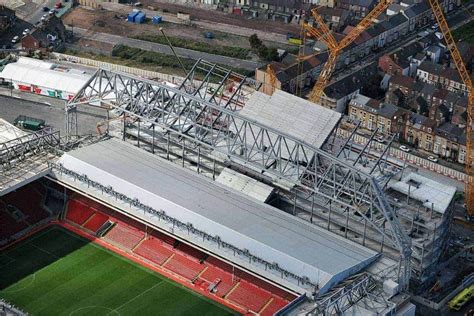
(44, 17)
(15, 39)
(26, 31)
(46, 9)
(404, 148)
(51, 12)
(432, 158)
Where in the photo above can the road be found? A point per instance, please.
(164, 49)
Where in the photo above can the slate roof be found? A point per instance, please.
(451, 132)
(397, 20)
(388, 110)
(417, 9)
(351, 83)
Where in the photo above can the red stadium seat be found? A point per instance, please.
(234, 285)
(95, 222)
(125, 236)
(249, 295)
(184, 266)
(226, 280)
(275, 305)
(78, 212)
(8, 225)
(152, 249)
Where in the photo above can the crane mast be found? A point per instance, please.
(335, 48)
(466, 78)
(322, 33)
(273, 79)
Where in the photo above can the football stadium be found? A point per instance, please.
(207, 197)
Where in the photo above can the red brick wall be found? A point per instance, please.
(29, 42)
(387, 65)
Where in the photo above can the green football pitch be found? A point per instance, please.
(56, 272)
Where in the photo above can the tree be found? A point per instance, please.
(255, 42)
(271, 54)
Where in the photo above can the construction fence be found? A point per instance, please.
(114, 67)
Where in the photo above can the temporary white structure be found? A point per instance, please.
(43, 78)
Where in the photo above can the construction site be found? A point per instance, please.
(270, 184)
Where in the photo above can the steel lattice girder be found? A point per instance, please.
(344, 295)
(29, 144)
(199, 120)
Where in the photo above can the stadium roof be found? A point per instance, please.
(294, 116)
(31, 72)
(271, 234)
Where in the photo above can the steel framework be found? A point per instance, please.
(207, 120)
(31, 144)
(344, 295)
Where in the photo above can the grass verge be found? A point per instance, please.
(230, 51)
(465, 33)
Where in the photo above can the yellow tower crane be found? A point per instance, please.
(335, 48)
(272, 78)
(324, 35)
(466, 78)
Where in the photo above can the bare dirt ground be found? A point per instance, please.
(225, 18)
(95, 45)
(108, 22)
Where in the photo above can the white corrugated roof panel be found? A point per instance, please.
(296, 245)
(429, 192)
(292, 115)
(246, 185)
(42, 76)
(34, 63)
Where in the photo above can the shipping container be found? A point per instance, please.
(140, 18)
(156, 19)
(131, 16)
(295, 41)
(29, 123)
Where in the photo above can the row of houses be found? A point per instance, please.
(50, 34)
(387, 31)
(445, 140)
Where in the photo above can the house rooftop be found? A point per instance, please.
(388, 110)
(351, 83)
(451, 132)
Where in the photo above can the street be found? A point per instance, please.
(36, 15)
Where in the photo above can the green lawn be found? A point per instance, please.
(57, 272)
